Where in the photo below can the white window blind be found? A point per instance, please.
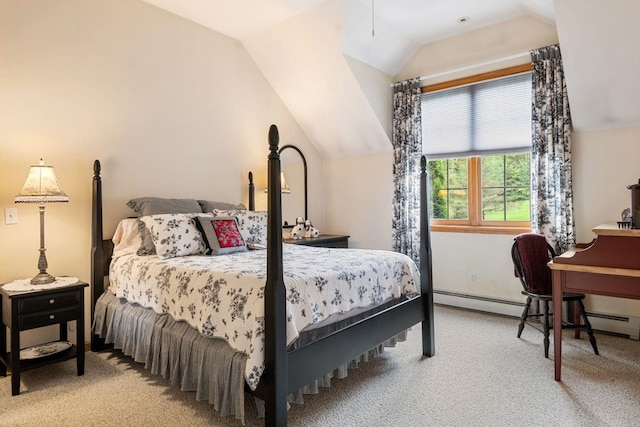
(492, 117)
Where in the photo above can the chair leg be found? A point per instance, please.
(587, 325)
(523, 318)
(545, 326)
(576, 318)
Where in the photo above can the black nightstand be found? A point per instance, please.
(323, 240)
(25, 310)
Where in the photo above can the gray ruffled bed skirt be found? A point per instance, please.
(208, 366)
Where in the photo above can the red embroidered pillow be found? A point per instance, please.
(227, 232)
(221, 235)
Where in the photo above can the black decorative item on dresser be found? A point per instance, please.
(323, 240)
(24, 310)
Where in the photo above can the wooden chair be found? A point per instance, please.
(531, 253)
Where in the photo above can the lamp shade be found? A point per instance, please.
(41, 186)
(284, 188)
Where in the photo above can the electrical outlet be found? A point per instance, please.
(473, 277)
(10, 216)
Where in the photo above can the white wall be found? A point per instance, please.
(171, 109)
(604, 163)
(359, 199)
(371, 80)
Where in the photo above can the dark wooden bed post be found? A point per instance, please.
(426, 271)
(252, 193)
(97, 250)
(275, 358)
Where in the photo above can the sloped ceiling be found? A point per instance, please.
(320, 90)
(402, 26)
(306, 50)
(599, 43)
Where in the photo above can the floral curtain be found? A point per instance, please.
(551, 180)
(407, 149)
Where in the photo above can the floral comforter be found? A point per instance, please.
(222, 296)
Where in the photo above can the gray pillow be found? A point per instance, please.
(208, 206)
(145, 206)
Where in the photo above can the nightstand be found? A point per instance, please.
(323, 240)
(25, 310)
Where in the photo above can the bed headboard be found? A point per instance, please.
(102, 249)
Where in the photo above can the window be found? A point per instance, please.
(477, 139)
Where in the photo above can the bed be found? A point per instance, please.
(287, 343)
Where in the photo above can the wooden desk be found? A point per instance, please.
(609, 266)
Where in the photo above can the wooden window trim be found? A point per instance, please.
(475, 224)
(477, 78)
(484, 229)
(475, 198)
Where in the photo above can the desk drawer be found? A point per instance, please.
(47, 302)
(45, 318)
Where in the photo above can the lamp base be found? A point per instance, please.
(42, 279)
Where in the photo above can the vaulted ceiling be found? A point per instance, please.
(311, 51)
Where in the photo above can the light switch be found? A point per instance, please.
(10, 216)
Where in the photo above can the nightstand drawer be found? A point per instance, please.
(47, 302)
(338, 243)
(44, 318)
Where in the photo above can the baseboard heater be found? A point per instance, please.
(628, 326)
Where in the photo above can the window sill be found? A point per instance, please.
(479, 229)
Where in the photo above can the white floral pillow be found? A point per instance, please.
(253, 224)
(175, 235)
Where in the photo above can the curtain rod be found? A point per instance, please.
(469, 67)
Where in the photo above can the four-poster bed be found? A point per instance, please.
(287, 367)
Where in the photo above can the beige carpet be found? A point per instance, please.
(482, 375)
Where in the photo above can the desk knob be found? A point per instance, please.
(52, 316)
(52, 301)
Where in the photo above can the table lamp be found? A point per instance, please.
(284, 187)
(41, 187)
